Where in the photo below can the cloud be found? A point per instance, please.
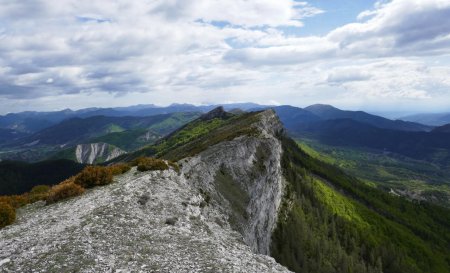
(398, 27)
(300, 51)
(236, 50)
(348, 74)
(239, 12)
(395, 28)
(391, 78)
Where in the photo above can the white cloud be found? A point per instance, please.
(399, 27)
(211, 50)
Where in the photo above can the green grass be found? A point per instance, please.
(113, 128)
(236, 196)
(131, 140)
(128, 140)
(338, 204)
(386, 170)
(174, 122)
(197, 136)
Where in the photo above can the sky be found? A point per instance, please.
(391, 56)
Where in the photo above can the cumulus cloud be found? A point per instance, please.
(399, 27)
(191, 51)
(348, 74)
(122, 46)
(395, 28)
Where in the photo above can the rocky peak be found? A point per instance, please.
(217, 112)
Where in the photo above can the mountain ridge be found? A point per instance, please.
(243, 185)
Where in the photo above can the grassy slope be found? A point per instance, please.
(386, 170)
(332, 222)
(197, 136)
(128, 140)
(131, 140)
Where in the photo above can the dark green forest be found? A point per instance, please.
(18, 177)
(332, 222)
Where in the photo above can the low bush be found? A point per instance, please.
(16, 201)
(7, 214)
(175, 166)
(64, 190)
(120, 168)
(93, 176)
(38, 193)
(150, 164)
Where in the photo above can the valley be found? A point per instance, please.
(238, 181)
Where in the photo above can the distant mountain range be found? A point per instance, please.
(31, 122)
(328, 112)
(127, 133)
(442, 129)
(436, 119)
(77, 130)
(24, 134)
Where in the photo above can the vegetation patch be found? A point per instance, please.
(237, 197)
(7, 214)
(386, 170)
(344, 225)
(38, 193)
(90, 177)
(93, 176)
(337, 203)
(197, 136)
(63, 191)
(150, 164)
(119, 168)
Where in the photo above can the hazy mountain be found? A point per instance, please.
(437, 119)
(32, 122)
(293, 116)
(430, 146)
(77, 130)
(328, 112)
(128, 133)
(7, 135)
(442, 129)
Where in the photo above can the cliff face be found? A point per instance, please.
(216, 215)
(244, 177)
(93, 152)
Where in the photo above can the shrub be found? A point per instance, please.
(175, 166)
(150, 164)
(16, 201)
(37, 193)
(120, 168)
(64, 190)
(7, 214)
(93, 176)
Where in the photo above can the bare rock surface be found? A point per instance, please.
(216, 215)
(123, 227)
(90, 153)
